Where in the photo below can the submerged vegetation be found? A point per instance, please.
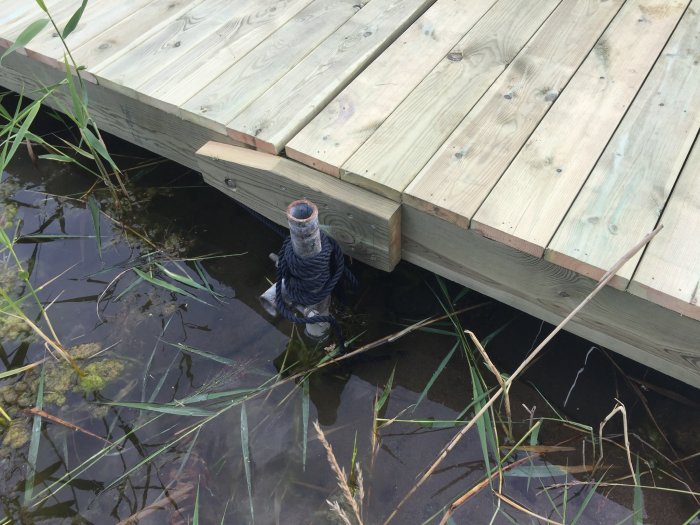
(135, 386)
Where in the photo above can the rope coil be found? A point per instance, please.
(309, 280)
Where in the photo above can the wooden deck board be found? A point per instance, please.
(627, 191)
(669, 272)
(127, 32)
(346, 122)
(198, 67)
(161, 49)
(533, 195)
(459, 177)
(231, 92)
(297, 97)
(393, 155)
(61, 11)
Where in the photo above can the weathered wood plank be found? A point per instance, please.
(367, 226)
(620, 321)
(247, 79)
(533, 195)
(387, 162)
(628, 188)
(60, 10)
(99, 15)
(196, 68)
(459, 177)
(127, 70)
(297, 97)
(131, 30)
(115, 113)
(336, 133)
(669, 272)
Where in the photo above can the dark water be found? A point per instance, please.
(95, 297)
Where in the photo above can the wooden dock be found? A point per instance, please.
(519, 147)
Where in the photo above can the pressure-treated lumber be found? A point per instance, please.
(47, 47)
(669, 272)
(626, 192)
(346, 122)
(387, 162)
(299, 95)
(368, 227)
(459, 177)
(197, 67)
(231, 92)
(131, 30)
(28, 12)
(533, 195)
(629, 325)
(161, 49)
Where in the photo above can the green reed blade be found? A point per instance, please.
(95, 214)
(164, 408)
(26, 36)
(33, 452)
(246, 459)
(304, 420)
(73, 22)
(435, 375)
(167, 286)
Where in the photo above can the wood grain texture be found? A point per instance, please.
(620, 321)
(625, 194)
(297, 97)
(459, 177)
(533, 195)
(127, 32)
(169, 88)
(99, 15)
(160, 49)
(367, 227)
(336, 133)
(389, 160)
(115, 113)
(669, 272)
(19, 17)
(236, 88)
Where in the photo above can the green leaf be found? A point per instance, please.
(535, 471)
(15, 371)
(437, 372)
(42, 5)
(186, 280)
(73, 22)
(79, 114)
(245, 448)
(167, 286)
(195, 516)
(33, 452)
(96, 145)
(95, 213)
(638, 498)
(202, 353)
(56, 157)
(164, 409)
(304, 420)
(379, 404)
(26, 36)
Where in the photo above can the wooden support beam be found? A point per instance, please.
(367, 226)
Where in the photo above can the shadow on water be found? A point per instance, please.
(157, 347)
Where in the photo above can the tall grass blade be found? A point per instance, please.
(79, 113)
(33, 452)
(379, 404)
(19, 370)
(195, 516)
(95, 214)
(585, 502)
(246, 459)
(73, 22)
(164, 408)
(304, 420)
(96, 145)
(638, 499)
(20, 135)
(185, 279)
(202, 353)
(155, 281)
(42, 5)
(435, 375)
(26, 36)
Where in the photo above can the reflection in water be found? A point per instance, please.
(208, 352)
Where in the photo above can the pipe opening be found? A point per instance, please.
(302, 211)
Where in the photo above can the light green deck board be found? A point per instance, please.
(346, 122)
(388, 161)
(195, 69)
(626, 192)
(248, 78)
(669, 272)
(533, 195)
(462, 173)
(297, 97)
(28, 12)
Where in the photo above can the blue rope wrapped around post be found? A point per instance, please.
(310, 268)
